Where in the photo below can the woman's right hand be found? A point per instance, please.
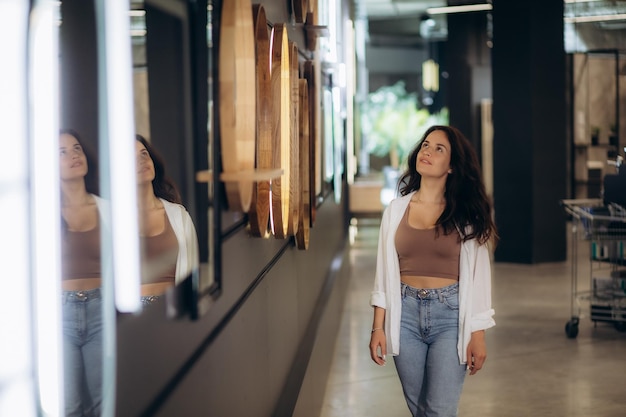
(378, 346)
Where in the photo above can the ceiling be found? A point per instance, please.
(385, 9)
(400, 22)
(403, 22)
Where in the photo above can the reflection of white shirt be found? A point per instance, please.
(188, 256)
(475, 312)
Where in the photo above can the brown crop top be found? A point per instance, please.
(421, 252)
(161, 251)
(80, 253)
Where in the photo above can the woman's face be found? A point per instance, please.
(145, 165)
(72, 159)
(433, 158)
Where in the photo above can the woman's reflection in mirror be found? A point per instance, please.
(168, 237)
(81, 210)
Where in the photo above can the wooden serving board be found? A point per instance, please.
(281, 127)
(259, 212)
(295, 196)
(302, 235)
(237, 99)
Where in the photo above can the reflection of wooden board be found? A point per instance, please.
(314, 138)
(260, 208)
(302, 236)
(294, 143)
(311, 31)
(300, 8)
(237, 95)
(281, 126)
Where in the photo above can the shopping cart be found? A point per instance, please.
(598, 232)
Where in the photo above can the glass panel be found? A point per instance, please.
(172, 83)
(86, 297)
(168, 152)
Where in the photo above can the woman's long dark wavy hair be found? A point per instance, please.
(92, 183)
(163, 186)
(467, 203)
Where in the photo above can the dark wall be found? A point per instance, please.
(468, 63)
(530, 143)
(258, 335)
(169, 78)
(79, 69)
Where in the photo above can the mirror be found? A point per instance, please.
(170, 88)
(161, 74)
(87, 302)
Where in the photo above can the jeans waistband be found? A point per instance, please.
(429, 293)
(81, 296)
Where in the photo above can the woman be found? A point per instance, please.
(432, 290)
(81, 277)
(167, 234)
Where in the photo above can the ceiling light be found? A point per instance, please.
(459, 9)
(596, 18)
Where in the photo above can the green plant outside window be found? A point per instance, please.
(392, 122)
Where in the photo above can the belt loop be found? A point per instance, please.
(440, 293)
(402, 289)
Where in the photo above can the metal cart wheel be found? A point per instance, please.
(571, 328)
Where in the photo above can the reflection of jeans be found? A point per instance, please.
(146, 300)
(82, 346)
(428, 363)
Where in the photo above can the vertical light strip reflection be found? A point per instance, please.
(114, 27)
(350, 84)
(45, 204)
(333, 22)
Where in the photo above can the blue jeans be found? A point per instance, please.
(83, 355)
(428, 364)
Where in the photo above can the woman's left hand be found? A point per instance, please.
(476, 352)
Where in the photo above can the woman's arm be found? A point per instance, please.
(378, 342)
(192, 242)
(476, 352)
(378, 296)
(481, 311)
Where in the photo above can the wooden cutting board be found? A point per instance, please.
(295, 195)
(237, 99)
(281, 128)
(259, 212)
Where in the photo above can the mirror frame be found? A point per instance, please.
(205, 27)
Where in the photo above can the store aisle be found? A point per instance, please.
(532, 369)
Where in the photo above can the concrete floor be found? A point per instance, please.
(532, 368)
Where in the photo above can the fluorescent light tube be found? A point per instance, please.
(459, 9)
